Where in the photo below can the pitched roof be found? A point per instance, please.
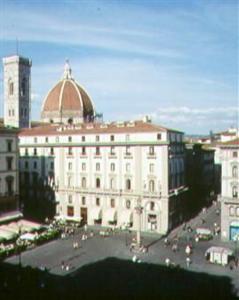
(94, 128)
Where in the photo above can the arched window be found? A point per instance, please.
(151, 186)
(97, 167)
(10, 87)
(128, 204)
(152, 205)
(98, 182)
(83, 182)
(23, 87)
(234, 171)
(112, 183)
(128, 184)
(234, 191)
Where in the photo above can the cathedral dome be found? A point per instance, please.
(67, 102)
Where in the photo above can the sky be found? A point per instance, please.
(174, 60)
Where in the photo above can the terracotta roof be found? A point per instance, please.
(231, 143)
(93, 128)
(68, 95)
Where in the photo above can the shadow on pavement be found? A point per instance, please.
(113, 279)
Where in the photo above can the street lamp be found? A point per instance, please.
(138, 210)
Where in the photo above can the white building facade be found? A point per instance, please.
(230, 190)
(100, 171)
(9, 186)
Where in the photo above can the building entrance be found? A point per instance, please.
(83, 214)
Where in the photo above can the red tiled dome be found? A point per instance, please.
(67, 100)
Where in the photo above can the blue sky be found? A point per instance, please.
(174, 60)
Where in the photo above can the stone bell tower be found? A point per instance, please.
(17, 91)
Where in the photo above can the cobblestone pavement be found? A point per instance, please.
(97, 248)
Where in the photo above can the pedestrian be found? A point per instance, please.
(85, 227)
(62, 265)
(67, 267)
(188, 261)
(175, 247)
(167, 262)
(188, 250)
(166, 242)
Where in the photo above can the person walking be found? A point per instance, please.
(188, 261)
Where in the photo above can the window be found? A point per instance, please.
(83, 166)
(83, 202)
(9, 161)
(152, 205)
(97, 166)
(159, 136)
(9, 112)
(83, 138)
(35, 165)
(128, 184)
(13, 113)
(25, 112)
(83, 182)
(112, 203)
(112, 138)
(128, 204)
(151, 150)
(70, 199)
(57, 139)
(127, 138)
(23, 87)
(128, 150)
(70, 166)
(234, 154)
(35, 151)
(151, 168)
(69, 181)
(69, 139)
(237, 211)
(234, 192)
(234, 171)
(83, 151)
(9, 146)
(46, 139)
(70, 151)
(97, 138)
(52, 165)
(112, 150)
(112, 167)
(52, 151)
(11, 87)
(97, 183)
(127, 167)
(231, 211)
(97, 150)
(151, 186)
(9, 182)
(35, 139)
(70, 211)
(26, 165)
(112, 183)
(97, 201)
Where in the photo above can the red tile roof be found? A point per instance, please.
(94, 128)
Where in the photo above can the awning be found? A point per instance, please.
(96, 213)
(126, 217)
(68, 218)
(7, 235)
(110, 215)
(28, 237)
(203, 231)
(220, 250)
(9, 228)
(12, 215)
(27, 226)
